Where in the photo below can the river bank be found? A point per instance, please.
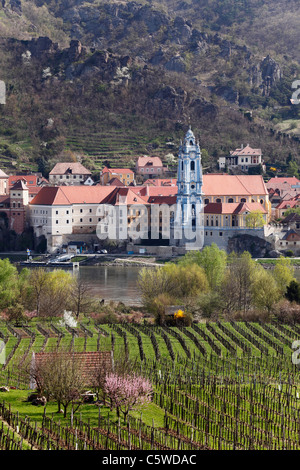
(92, 260)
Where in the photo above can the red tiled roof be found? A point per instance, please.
(170, 200)
(67, 195)
(31, 180)
(213, 185)
(281, 182)
(245, 151)
(152, 161)
(123, 196)
(74, 168)
(233, 185)
(33, 191)
(161, 191)
(117, 170)
(288, 204)
(116, 182)
(89, 362)
(161, 182)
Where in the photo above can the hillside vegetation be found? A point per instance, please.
(106, 81)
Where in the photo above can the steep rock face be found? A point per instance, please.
(41, 47)
(165, 38)
(257, 247)
(265, 75)
(153, 19)
(228, 94)
(171, 99)
(176, 64)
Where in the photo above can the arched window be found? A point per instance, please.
(206, 201)
(192, 166)
(230, 199)
(191, 142)
(181, 166)
(218, 200)
(243, 199)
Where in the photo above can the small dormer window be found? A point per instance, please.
(191, 142)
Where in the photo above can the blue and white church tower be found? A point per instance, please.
(188, 223)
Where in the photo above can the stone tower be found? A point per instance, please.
(189, 206)
(19, 199)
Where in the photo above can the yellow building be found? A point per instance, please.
(125, 175)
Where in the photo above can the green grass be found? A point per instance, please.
(88, 412)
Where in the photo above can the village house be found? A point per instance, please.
(289, 241)
(283, 191)
(286, 205)
(242, 158)
(292, 221)
(150, 166)
(124, 175)
(69, 174)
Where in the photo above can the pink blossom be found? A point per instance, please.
(127, 392)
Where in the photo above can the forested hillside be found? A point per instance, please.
(105, 81)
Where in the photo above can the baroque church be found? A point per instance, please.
(214, 207)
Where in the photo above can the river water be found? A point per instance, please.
(118, 283)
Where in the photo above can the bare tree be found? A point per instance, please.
(59, 377)
(80, 297)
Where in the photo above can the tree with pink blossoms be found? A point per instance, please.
(127, 392)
